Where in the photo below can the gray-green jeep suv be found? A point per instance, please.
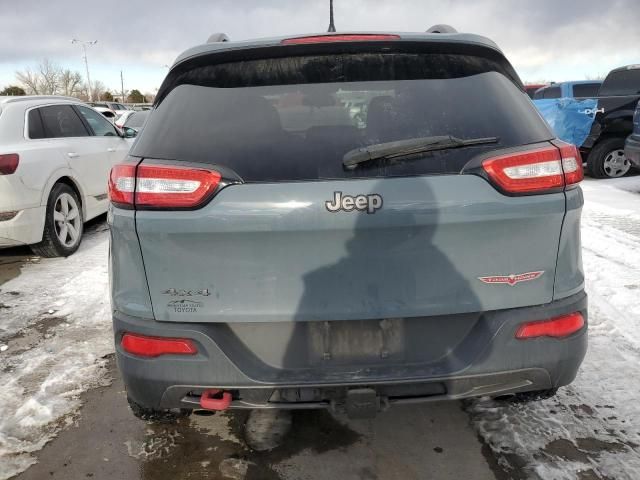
(345, 220)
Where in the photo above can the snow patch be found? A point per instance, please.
(51, 359)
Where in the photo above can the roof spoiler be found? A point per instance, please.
(217, 37)
(442, 28)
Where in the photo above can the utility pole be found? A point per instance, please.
(122, 86)
(332, 27)
(86, 61)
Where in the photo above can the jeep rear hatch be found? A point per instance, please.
(288, 232)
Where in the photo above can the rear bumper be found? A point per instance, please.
(488, 361)
(24, 229)
(632, 149)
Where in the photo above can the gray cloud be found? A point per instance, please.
(582, 34)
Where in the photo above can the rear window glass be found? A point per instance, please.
(552, 92)
(58, 121)
(531, 91)
(539, 94)
(586, 90)
(295, 118)
(100, 125)
(36, 130)
(136, 120)
(623, 82)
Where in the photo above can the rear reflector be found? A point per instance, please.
(535, 171)
(558, 327)
(160, 187)
(363, 37)
(143, 346)
(9, 163)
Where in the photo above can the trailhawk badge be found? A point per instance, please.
(512, 279)
(347, 203)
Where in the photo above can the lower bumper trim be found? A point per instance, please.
(333, 398)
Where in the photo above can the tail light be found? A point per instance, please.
(359, 37)
(535, 171)
(151, 347)
(571, 164)
(558, 327)
(9, 163)
(160, 187)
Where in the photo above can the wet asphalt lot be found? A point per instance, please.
(432, 441)
(105, 441)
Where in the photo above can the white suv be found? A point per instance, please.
(55, 158)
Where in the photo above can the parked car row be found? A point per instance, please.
(25, 219)
(609, 108)
(114, 106)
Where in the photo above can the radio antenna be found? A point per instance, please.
(332, 27)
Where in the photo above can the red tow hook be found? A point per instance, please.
(210, 399)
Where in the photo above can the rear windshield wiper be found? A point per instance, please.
(408, 148)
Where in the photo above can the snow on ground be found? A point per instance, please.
(591, 429)
(55, 322)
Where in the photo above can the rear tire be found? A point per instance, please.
(157, 416)
(607, 160)
(63, 223)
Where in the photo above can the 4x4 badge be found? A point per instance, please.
(512, 279)
(347, 203)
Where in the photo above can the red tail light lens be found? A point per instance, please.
(362, 37)
(9, 163)
(571, 164)
(173, 187)
(531, 171)
(536, 171)
(161, 187)
(122, 181)
(558, 327)
(151, 347)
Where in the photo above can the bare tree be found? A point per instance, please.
(97, 89)
(49, 77)
(30, 80)
(70, 83)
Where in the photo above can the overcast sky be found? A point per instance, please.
(544, 39)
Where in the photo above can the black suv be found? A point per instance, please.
(617, 100)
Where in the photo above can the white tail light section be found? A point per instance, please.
(160, 186)
(535, 170)
(166, 185)
(540, 170)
